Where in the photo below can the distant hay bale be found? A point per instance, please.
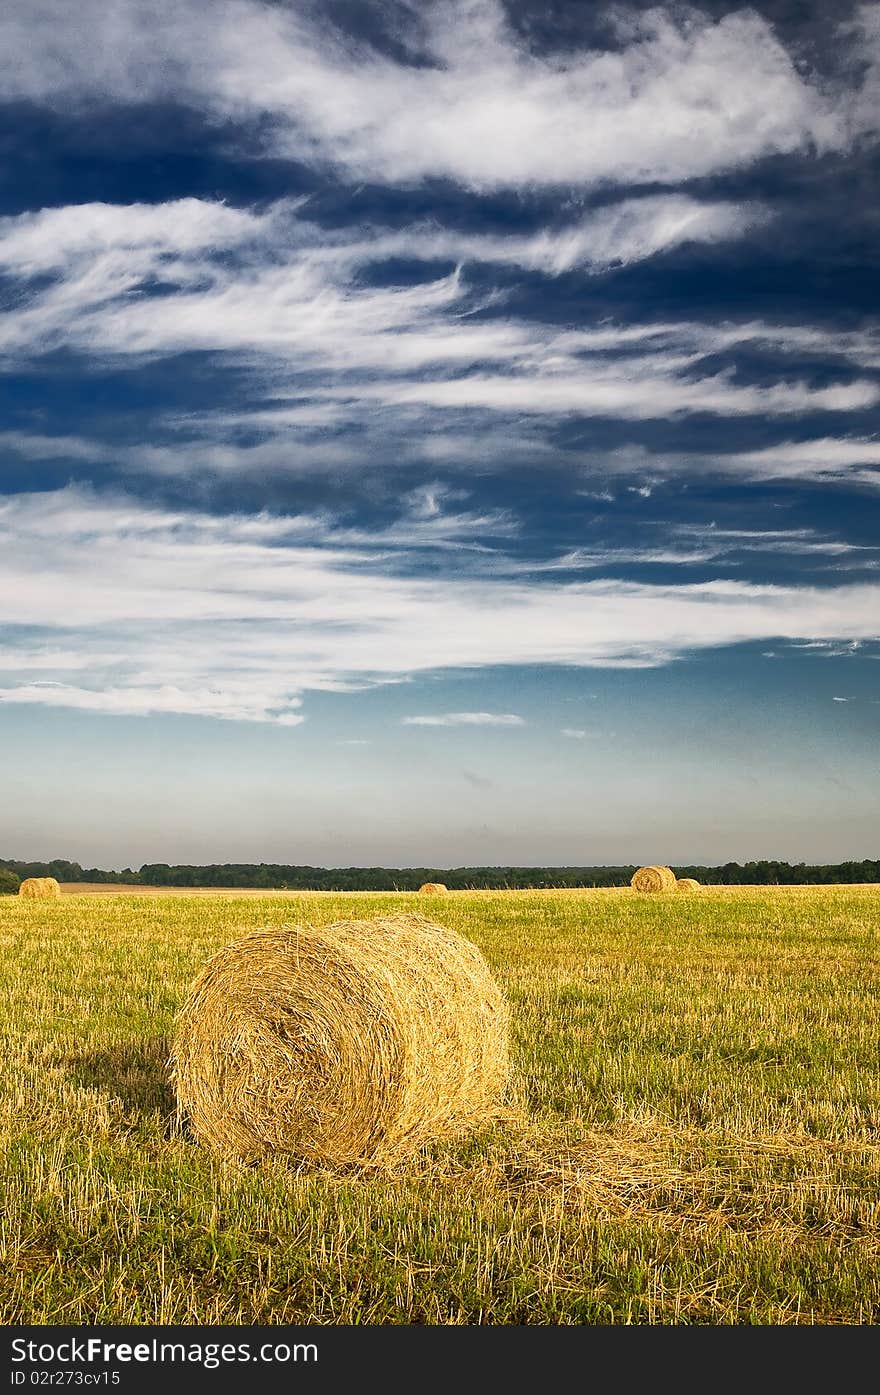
(432, 889)
(45, 887)
(348, 1043)
(653, 879)
(686, 884)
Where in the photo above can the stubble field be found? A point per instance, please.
(693, 1134)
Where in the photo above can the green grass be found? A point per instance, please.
(693, 1136)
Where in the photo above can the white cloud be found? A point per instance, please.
(795, 542)
(829, 459)
(680, 98)
(576, 733)
(229, 703)
(268, 291)
(122, 244)
(450, 441)
(831, 649)
(143, 236)
(615, 235)
(863, 31)
(117, 607)
(704, 543)
(466, 719)
(293, 441)
(633, 388)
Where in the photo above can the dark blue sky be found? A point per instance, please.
(439, 433)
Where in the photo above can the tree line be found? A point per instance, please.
(274, 876)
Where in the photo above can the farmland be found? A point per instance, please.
(693, 1132)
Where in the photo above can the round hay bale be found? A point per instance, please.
(348, 1043)
(46, 887)
(432, 889)
(686, 884)
(653, 879)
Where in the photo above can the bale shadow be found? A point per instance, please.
(136, 1074)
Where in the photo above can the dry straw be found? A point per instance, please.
(687, 884)
(349, 1043)
(432, 888)
(39, 887)
(653, 879)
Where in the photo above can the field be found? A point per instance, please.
(693, 1134)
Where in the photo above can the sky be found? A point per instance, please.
(439, 433)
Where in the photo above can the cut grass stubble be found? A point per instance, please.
(694, 1136)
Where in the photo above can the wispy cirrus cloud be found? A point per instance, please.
(677, 95)
(241, 282)
(140, 282)
(851, 460)
(239, 616)
(465, 719)
(830, 459)
(792, 542)
(635, 388)
(696, 545)
(614, 235)
(152, 235)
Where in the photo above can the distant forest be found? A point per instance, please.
(274, 876)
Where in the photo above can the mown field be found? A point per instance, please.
(693, 1136)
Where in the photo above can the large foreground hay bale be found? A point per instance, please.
(432, 889)
(686, 884)
(39, 887)
(352, 1042)
(653, 879)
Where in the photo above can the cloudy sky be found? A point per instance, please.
(439, 433)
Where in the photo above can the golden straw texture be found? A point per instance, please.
(349, 1043)
(687, 884)
(653, 879)
(432, 888)
(39, 886)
